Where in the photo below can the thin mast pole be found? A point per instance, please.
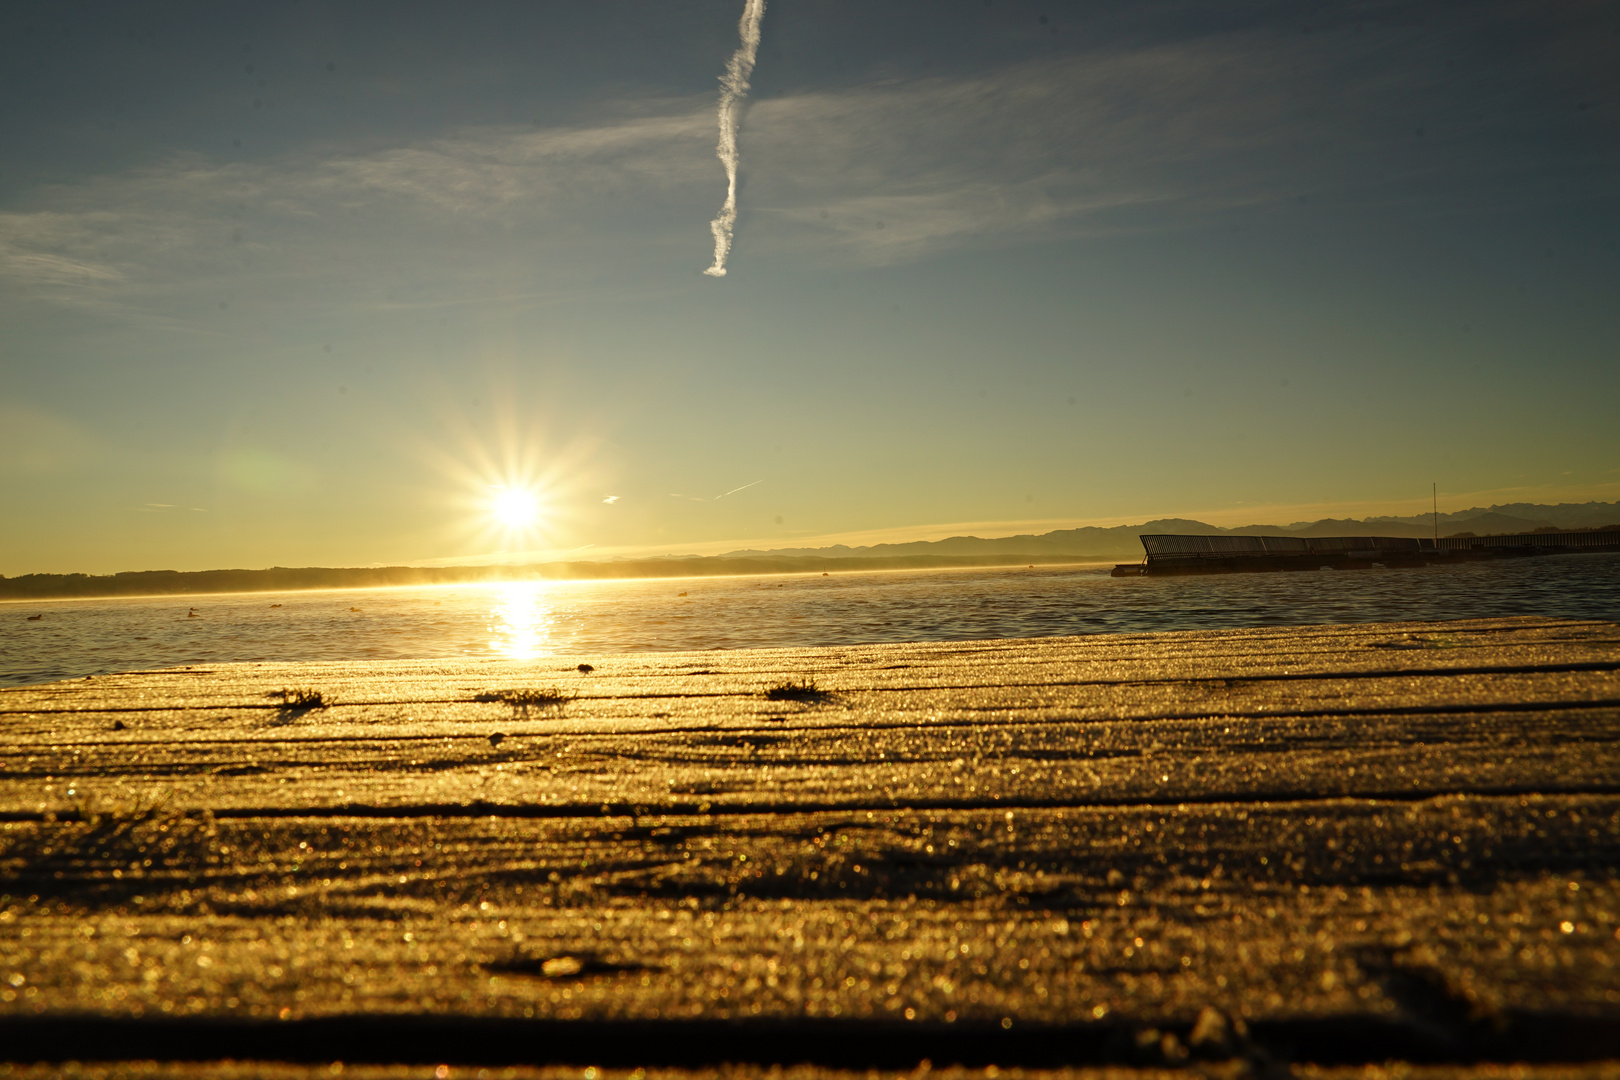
(1435, 491)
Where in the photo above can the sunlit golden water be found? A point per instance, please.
(530, 620)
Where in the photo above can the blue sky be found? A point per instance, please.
(310, 283)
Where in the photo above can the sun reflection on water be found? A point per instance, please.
(523, 621)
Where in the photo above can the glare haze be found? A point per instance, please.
(340, 284)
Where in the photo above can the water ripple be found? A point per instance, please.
(535, 620)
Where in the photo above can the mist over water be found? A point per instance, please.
(536, 620)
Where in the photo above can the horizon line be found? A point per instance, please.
(1235, 515)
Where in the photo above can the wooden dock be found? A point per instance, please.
(1235, 852)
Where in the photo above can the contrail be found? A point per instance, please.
(733, 88)
(717, 498)
(734, 491)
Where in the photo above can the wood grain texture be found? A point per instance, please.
(1344, 844)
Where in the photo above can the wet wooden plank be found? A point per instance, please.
(1405, 835)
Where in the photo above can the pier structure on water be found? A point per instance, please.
(1178, 554)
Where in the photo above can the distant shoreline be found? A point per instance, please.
(304, 579)
(1089, 544)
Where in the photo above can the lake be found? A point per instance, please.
(75, 638)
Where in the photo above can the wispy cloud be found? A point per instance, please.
(1099, 142)
(1146, 138)
(526, 173)
(190, 226)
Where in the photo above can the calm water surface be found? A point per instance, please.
(522, 621)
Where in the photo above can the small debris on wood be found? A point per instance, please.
(300, 698)
(533, 697)
(805, 691)
(569, 966)
(1213, 1036)
(561, 966)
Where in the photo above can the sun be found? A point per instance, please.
(515, 508)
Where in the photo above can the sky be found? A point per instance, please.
(323, 283)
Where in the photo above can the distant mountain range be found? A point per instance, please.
(1061, 546)
(1122, 539)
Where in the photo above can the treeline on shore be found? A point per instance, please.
(287, 579)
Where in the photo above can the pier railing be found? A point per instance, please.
(1167, 546)
(1173, 554)
(1593, 539)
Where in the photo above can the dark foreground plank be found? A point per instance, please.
(229, 1069)
(1337, 845)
